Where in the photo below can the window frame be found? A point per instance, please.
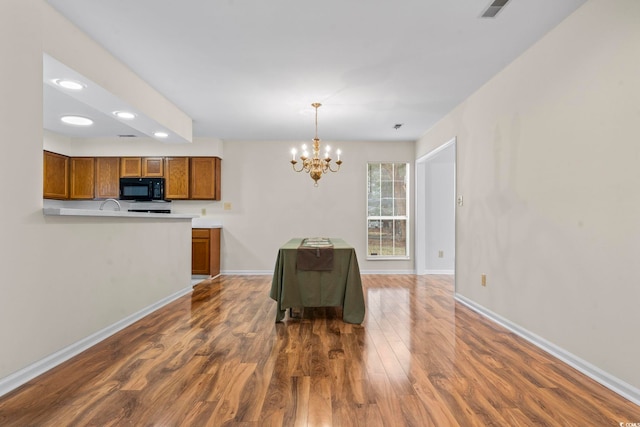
(406, 217)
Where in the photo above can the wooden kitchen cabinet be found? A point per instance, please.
(152, 167)
(135, 167)
(107, 177)
(204, 181)
(82, 178)
(205, 251)
(176, 175)
(186, 178)
(131, 167)
(55, 176)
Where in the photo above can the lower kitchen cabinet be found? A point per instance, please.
(205, 251)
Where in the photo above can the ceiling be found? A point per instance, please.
(249, 69)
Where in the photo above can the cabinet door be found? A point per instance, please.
(107, 177)
(200, 251)
(152, 167)
(55, 183)
(205, 178)
(131, 167)
(82, 178)
(176, 184)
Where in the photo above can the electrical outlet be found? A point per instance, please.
(483, 279)
(203, 211)
(227, 206)
(440, 254)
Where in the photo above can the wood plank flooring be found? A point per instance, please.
(217, 358)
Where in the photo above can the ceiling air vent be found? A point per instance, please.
(127, 136)
(494, 8)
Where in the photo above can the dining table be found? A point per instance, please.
(318, 272)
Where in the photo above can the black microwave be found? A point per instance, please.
(142, 189)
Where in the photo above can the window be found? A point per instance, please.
(387, 210)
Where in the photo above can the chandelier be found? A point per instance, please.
(315, 166)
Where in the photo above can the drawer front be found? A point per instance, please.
(200, 233)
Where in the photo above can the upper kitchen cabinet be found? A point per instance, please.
(55, 176)
(82, 175)
(205, 178)
(107, 177)
(135, 167)
(131, 167)
(152, 167)
(176, 174)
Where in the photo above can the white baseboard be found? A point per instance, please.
(451, 272)
(246, 273)
(363, 272)
(614, 384)
(28, 373)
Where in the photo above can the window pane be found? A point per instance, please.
(399, 189)
(400, 237)
(374, 208)
(373, 180)
(387, 207)
(387, 189)
(400, 172)
(374, 237)
(400, 206)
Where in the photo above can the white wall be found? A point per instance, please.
(548, 158)
(63, 279)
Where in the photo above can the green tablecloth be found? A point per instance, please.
(341, 287)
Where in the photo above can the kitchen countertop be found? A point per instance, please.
(111, 213)
(204, 222)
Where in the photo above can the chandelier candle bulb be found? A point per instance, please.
(293, 154)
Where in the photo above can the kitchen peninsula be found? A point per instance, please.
(205, 231)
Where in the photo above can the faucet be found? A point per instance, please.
(110, 200)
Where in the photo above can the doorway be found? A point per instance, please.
(435, 210)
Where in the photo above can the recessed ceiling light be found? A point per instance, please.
(76, 120)
(160, 134)
(124, 115)
(69, 84)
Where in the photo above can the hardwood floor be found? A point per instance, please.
(217, 358)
